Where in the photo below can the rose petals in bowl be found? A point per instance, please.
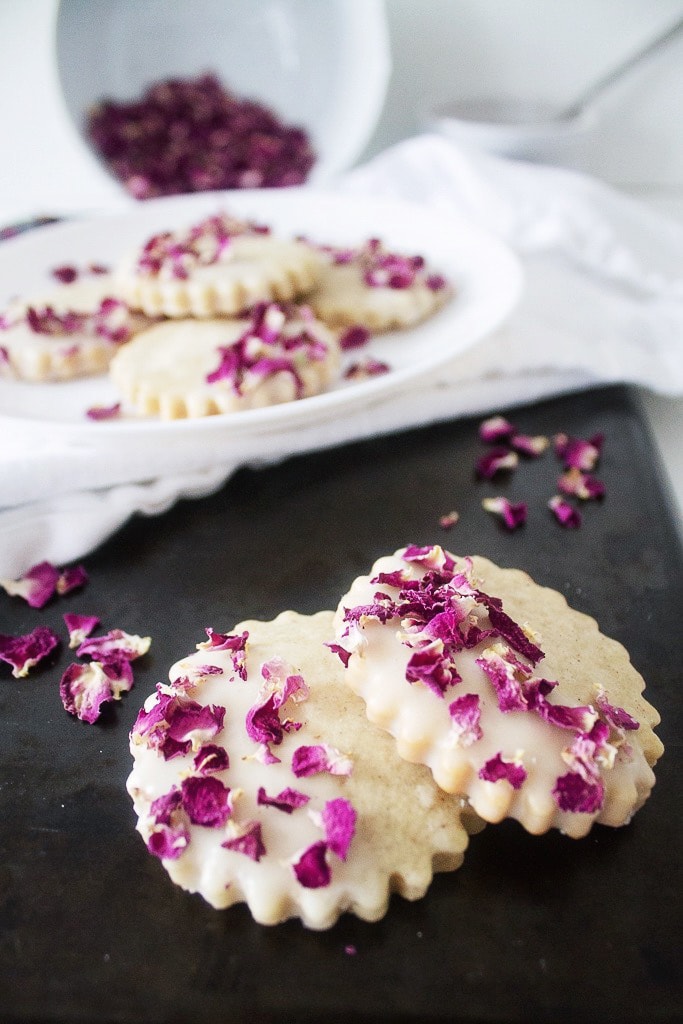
(194, 135)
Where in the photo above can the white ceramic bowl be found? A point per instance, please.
(321, 64)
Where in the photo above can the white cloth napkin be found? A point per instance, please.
(603, 303)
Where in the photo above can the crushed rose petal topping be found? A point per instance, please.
(311, 868)
(265, 349)
(287, 800)
(498, 768)
(228, 642)
(247, 839)
(442, 613)
(202, 245)
(316, 758)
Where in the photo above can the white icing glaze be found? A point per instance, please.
(419, 720)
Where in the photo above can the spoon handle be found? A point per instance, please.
(596, 90)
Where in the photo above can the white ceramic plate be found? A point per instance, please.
(486, 275)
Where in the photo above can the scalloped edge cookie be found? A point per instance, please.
(251, 268)
(190, 368)
(376, 289)
(39, 344)
(493, 736)
(258, 743)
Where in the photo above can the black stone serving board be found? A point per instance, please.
(532, 929)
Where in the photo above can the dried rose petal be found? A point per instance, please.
(354, 337)
(263, 723)
(71, 579)
(448, 520)
(496, 461)
(506, 674)
(65, 274)
(581, 796)
(341, 653)
(530, 446)
(497, 768)
(114, 645)
(168, 843)
(104, 412)
(495, 429)
(616, 716)
(175, 724)
(577, 452)
(465, 714)
(512, 514)
(339, 822)
(211, 758)
(429, 665)
(170, 836)
(311, 869)
(233, 642)
(206, 800)
(36, 586)
(247, 839)
(288, 800)
(366, 368)
(191, 134)
(581, 485)
(507, 628)
(80, 627)
(311, 760)
(566, 514)
(26, 650)
(84, 688)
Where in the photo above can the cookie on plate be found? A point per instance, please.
(512, 698)
(219, 267)
(377, 289)
(73, 330)
(189, 368)
(257, 778)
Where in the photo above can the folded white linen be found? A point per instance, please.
(603, 303)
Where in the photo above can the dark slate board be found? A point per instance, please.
(529, 929)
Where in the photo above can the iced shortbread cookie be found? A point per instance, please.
(512, 698)
(257, 778)
(187, 368)
(218, 267)
(377, 289)
(74, 330)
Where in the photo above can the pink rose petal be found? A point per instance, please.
(26, 650)
(312, 760)
(248, 840)
(311, 869)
